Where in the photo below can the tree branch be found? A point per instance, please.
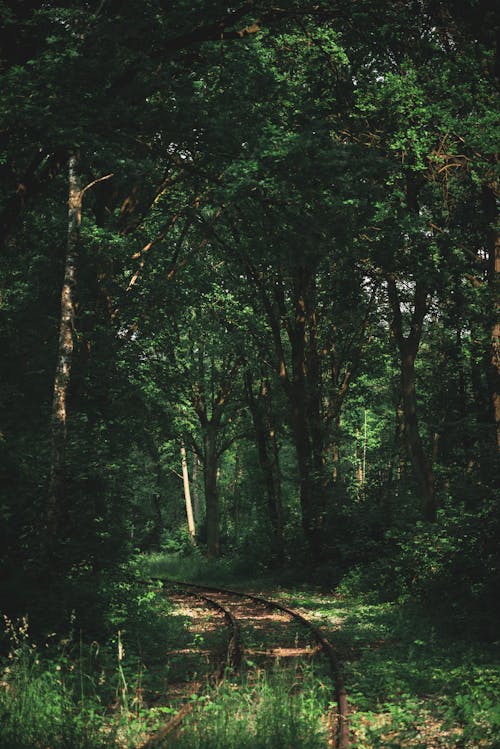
(95, 182)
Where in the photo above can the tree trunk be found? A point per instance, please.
(422, 468)
(304, 394)
(56, 493)
(309, 487)
(158, 526)
(195, 492)
(277, 491)
(399, 432)
(493, 357)
(266, 461)
(211, 497)
(408, 347)
(357, 460)
(187, 496)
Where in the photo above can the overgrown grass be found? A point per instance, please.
(66, 693)
(41, 704)
(230, 571)
(410, 684)
(411, 681)
(196, 568)
(275, 711)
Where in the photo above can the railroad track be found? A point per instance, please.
(226, 601)
(231, 661)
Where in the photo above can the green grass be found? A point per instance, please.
(239, 572)
(410, 684)
(40, 703)
(263, 711)
(66, 693)
(195, 568)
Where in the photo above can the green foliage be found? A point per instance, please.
(265, 188)
(196, 568)
(74, 692)
(411, 683)
(43, 701)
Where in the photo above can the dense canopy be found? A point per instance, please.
(280, 273)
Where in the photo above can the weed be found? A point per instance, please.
(262, 711)
(39, 702)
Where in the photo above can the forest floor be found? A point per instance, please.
(409, 683)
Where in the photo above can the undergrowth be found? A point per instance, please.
(196, 568)
(262, 711)
(410, 683)
(42, 703)
(65, 692)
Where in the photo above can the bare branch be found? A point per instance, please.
(96, 181)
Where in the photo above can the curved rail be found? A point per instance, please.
(342, 732)
(232, 661)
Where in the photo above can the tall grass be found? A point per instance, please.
(274, 711)
(68, 694)
(40, 704)
(54, 698)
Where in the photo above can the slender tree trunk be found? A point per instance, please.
(277, 490)
(211, 497)
(357, 460)
(187, 496)
(195, 492)
(408, 347)
(236, 491)
(493, 357)
(399, 431)
(335, 449)
(314, 396)
(158, 528)
(305, 400)
(267, 461)
(463, 407)
(422, 468)
(309, 487)
(56, 493)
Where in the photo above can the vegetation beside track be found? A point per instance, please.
(410, 681)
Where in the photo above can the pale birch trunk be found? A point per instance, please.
(187, 496)
(195, 493)
(56, 494)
